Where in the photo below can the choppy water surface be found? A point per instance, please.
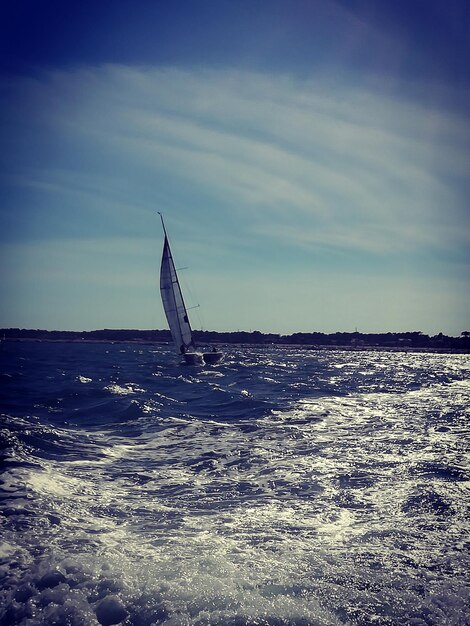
(281, 487)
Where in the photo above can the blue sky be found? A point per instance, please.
(311, 159)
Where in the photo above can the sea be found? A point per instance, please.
(284, 486)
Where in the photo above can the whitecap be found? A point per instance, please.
(123, 390)
(83, 379)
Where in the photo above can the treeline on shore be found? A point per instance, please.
(410, 340)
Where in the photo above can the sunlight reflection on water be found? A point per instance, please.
(323, 488)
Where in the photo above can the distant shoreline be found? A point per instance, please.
(394, 342)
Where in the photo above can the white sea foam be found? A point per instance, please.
(123, 390)
(342, 500)
(84, 379)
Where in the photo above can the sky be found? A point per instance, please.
(311, 159)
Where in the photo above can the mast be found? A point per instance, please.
(163, 224)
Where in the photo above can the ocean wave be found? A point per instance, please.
(284, 488)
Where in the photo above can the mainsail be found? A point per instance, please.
(173, 302)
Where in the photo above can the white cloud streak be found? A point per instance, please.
(291, 163)
(327, 155)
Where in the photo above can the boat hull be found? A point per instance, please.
(212, 357)
(193, 358)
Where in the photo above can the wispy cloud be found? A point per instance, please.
(336, 162)
(233, 157)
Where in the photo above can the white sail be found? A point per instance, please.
(176, 312)
(173, 302)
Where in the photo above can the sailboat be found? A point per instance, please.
(176, 312)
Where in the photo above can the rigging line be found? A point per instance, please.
(191, 298)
